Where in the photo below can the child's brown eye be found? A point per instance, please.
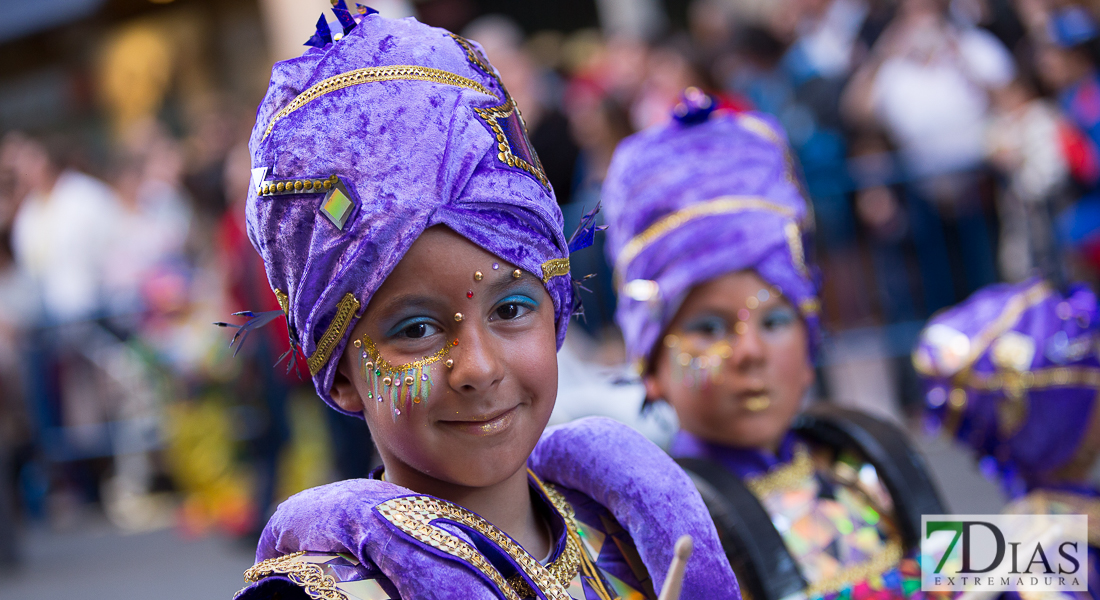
(508, 311)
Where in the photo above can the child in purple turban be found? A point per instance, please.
(1013, 372)
(415, 246)
(708, 231)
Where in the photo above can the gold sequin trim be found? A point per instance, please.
(284, 301)
(798, 253)
(307, 575)
(565, 568)
(344, 312)
(554, 267)
(372, 75)
(297, 186)
(475, 57)
(385, 366)
(888, 558)
(414, 515)
(809, 306)
(671, 222)
(786, 477)
(492, 116)
(1015, 383)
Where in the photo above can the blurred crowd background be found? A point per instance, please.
(945, 145)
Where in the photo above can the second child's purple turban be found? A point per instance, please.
(1013, 372)
(708, 194)
(362, 144)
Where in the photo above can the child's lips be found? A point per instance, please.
(484, 425)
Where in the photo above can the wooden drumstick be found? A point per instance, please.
(675, 579)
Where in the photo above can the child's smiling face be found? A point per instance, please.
(484, 413)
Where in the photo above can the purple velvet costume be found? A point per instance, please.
(1013, 372)
(359, 146)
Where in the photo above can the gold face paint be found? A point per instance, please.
(404, 385)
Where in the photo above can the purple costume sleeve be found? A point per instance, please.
(646, 493)
(650, 496)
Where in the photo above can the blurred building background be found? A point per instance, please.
(945, 145)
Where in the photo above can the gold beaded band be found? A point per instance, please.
(347, 308)
(372, 75)
(493, 116)
(554, 268)
(297, 186)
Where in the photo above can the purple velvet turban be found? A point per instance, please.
(362, 144)
(693, 200)
(1013, 372)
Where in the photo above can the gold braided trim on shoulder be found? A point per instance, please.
(673, 221)
(887, 558)
(336, 329)
(415, 515)
(786, 477)
(372, 75)
(305, 574)
(284, 301)
(554, 267)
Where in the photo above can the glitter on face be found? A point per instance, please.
(470, 294)
(496, 266)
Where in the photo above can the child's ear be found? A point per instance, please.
(343, 390)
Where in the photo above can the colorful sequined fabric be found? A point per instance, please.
(833, 513)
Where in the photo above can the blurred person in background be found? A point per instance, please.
(1013, 373)
(1067, 61)
(62, 230)
(61, 237)
(1024, 143)
(709, 232)
(927, 83)
(155, 221)
(17, 294)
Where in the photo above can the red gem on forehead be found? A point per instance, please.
(470, 294)
(455, 343)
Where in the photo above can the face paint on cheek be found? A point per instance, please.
(696, 370)
(403, 385)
